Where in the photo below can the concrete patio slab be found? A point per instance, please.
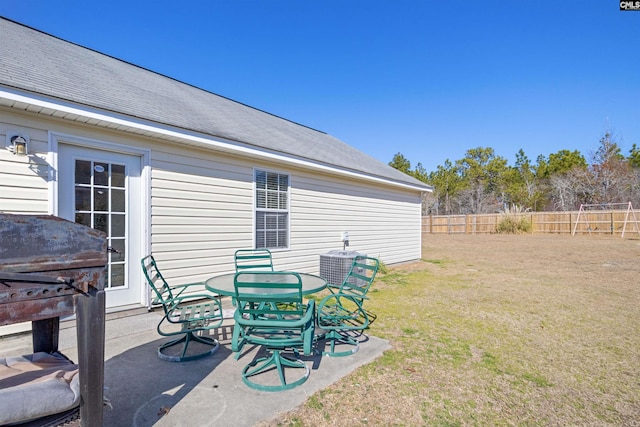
(145, 391)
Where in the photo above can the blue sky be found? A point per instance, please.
(428, 79)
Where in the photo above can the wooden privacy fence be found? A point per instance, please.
(612, 222)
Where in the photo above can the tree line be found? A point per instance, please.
(483, 182)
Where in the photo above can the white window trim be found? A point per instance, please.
(288, 210)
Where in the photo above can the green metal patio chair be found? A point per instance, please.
(271, 313)
(253, 259)
(185, 315)
(342, 314)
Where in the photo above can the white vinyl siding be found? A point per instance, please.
(201, 211)
(381, 221)
(202, 205)
(24, 179)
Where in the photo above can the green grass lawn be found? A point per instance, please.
(495, 330)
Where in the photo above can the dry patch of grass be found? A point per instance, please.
(499, 330)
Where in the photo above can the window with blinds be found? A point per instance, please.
(272, 210)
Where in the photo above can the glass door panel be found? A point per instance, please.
(100, 203)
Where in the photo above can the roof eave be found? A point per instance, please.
(41, 104)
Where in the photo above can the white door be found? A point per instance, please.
(102, 189)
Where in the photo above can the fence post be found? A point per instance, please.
(531, 216)
(612, 224)
(570, 223)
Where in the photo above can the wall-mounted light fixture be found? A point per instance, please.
(18, 144)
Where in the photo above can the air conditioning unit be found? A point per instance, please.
(335, 265)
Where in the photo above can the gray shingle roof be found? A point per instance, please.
(40, 63)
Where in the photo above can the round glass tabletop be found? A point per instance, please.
(223, 284)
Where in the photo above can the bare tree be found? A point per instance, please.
(613, 176)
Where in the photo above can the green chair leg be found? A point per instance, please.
(279, 363)
(333, 338)
(187, 338)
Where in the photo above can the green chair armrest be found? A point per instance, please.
(276, 323)
(195, 301)
(357, 299)
(336, 315)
